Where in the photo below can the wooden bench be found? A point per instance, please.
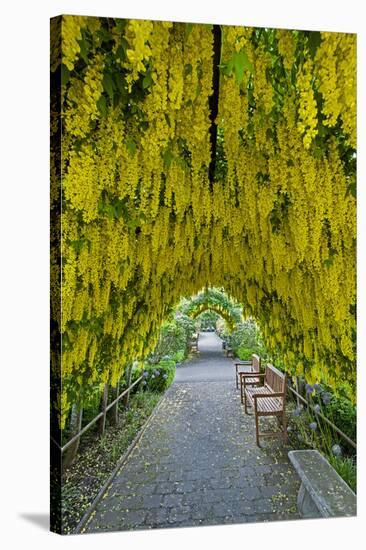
(268, 399)
(193, 345)
(323, 493)
(252, 365)
(229, 352)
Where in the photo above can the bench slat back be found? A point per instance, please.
(275, 379)
(255, 363)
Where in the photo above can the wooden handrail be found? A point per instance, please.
(96, 418)
(342, 434)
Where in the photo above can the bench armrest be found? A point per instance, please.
(257, 395)
(239, 363)
(251, 374)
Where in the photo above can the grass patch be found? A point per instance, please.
(346, 468)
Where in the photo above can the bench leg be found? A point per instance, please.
(284, 427)
(237, 378)
(245, 403)
(306, 505)
(257, 429)
(244, 397)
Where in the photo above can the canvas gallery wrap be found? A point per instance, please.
(203, 303)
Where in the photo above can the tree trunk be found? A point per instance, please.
(75, 427)
(103, 406)
(113, 414)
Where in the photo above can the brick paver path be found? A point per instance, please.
(197, 462)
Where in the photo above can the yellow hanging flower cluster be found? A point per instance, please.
(71, 34)
(336, 73)
(138, 34)
(263, 91)
(142, 225)
(286, 47)
(308, 113)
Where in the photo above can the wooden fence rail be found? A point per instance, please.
(96, 418)
(335, 428)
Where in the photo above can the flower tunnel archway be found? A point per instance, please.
(215, 300)
(215, 309)
(186, 165)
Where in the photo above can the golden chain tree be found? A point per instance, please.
(143, 224)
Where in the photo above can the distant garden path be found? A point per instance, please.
(197, 462)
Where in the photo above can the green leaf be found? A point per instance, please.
(198, 88)
(125, 45)
(119, 208)
(352, 188)
(104, 35)
(102, 106)
(121, 53)
(78, 244)
(188, 29)
(314, 40)
(116, 100)
(270, 133)
(108, 85)
(147, 81)
(131, 145)
(84, 50)
(227, 67)
(78, 143)
(241, 63)
(329, 261)
(144, 124)
(120, 25)
(168, 120)
(110, 211)
(168, 157)
(187, 69)
(131, 223)
(120, 83)
(65, 75)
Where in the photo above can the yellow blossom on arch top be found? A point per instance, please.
(143, 224)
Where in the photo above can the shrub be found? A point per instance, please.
(244, 353)
(158, 377)
(337, 408)
(208, 320)
(346, 468)
(343, 413)
(179, 356)
(246, 340)
(174, 337)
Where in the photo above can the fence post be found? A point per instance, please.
(299, 388)
(75, 427)
(126, 398)
(103, 406)
(113, 415)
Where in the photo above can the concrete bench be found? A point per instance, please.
(323, 493)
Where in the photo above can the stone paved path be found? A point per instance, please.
(197, 462)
